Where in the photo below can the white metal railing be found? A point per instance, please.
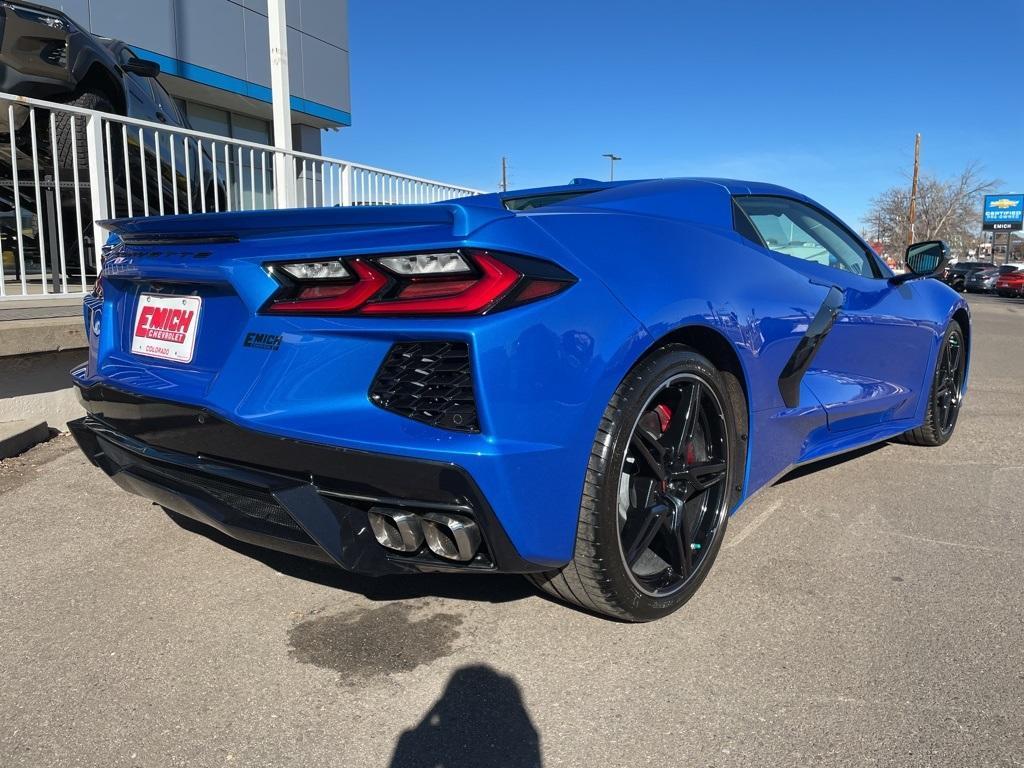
(64, 168)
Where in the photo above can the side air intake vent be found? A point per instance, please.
(430, 381)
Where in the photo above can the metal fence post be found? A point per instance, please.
(284, 181)
(97, 182)
(346, 184)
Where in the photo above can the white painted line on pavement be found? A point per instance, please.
(754, 524)
(959, 544)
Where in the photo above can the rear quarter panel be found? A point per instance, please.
(672, 274)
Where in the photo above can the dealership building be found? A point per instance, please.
(214, 57)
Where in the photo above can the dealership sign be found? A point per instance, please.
(1003, 212)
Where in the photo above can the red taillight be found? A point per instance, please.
(538, 289)
(429, 289)
(494, 281)
(339, 297)
(448, 283)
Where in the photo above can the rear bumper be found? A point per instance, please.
(288, 495)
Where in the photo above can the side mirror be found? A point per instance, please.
(141, 67)
(923, 260)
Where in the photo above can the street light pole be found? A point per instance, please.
(284, 177)
(611, 162)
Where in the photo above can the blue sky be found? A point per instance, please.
(821, 96)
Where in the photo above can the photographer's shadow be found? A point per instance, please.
(479, 721)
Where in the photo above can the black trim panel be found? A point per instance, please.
(158, 239)
(798, 363)
(326, 489)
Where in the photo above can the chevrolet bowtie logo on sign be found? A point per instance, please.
(1004, 202)
(165, 327)
(1003, 213)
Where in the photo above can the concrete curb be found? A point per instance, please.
(18, 436)
(51, 334)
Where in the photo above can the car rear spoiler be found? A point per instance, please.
(226, 227)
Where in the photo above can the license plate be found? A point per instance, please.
(165, 327)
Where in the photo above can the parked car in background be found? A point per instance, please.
(984, 280)
(1010, 284)
(955, 275)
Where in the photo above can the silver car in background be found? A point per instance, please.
(984, 280)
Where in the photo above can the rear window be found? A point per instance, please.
(540, 201)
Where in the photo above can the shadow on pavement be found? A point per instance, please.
(479, 721)
(493, 588)
(832, 461)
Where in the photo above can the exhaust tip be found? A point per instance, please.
(396, 529)
(452, 537)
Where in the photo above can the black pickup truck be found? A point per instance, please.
(44, 54)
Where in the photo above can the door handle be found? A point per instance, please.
(161, 117)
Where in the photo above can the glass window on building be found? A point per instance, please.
(254, 183)
(209, 119)
(240, 171)
(250, 129)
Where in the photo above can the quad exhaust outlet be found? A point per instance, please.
(450, 537)
(396, 529)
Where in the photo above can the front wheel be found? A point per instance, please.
(946, 395)
(660, 482)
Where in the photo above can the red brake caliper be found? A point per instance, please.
(664, 417)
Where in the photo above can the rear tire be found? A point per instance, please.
(946, 394)
(606, 574)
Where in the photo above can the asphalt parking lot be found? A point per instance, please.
(869, 612)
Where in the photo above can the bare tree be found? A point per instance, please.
(947, 209)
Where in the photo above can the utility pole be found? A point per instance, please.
(284, 172)
(611, 161)
(504, 174)
(913, 187)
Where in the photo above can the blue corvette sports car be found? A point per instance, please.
(575, 383)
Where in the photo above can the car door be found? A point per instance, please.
(871, 344)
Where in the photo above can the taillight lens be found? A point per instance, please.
(462, 282)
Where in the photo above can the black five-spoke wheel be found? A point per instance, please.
(947, 392)
(949, 381)
(664, 470)
(672, 490)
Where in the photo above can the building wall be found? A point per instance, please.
(224, 45)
